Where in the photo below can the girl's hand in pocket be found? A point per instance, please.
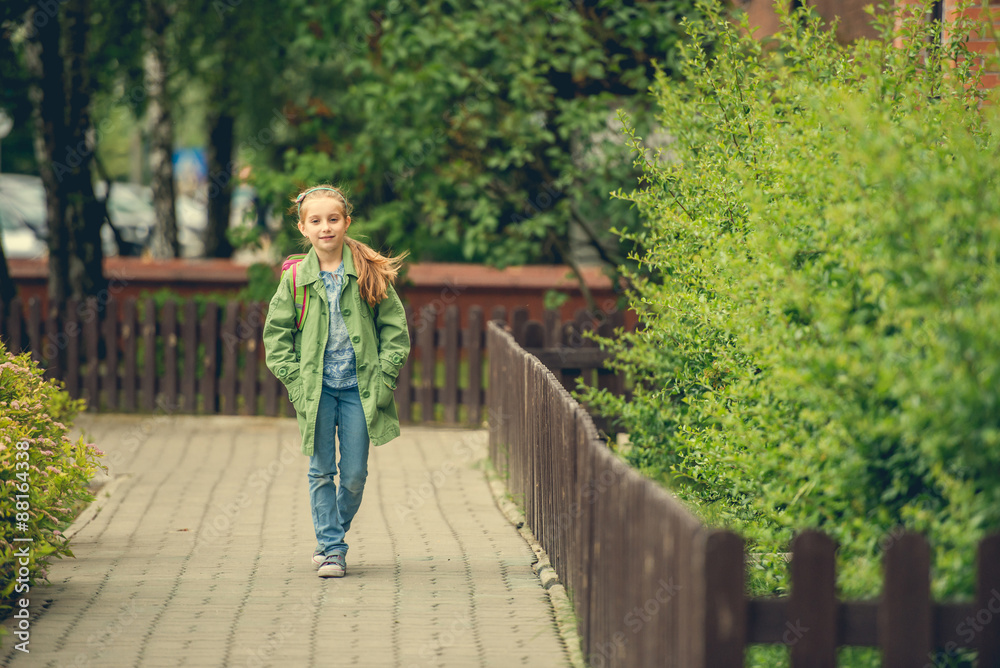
(384, 393)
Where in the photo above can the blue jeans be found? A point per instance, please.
(340, 413)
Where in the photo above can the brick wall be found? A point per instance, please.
(855, 22)
(984, 44)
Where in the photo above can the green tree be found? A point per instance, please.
(55, 52)
(161, 150)
(817, 345)
(237, 51)
(66, 51)
(478, 130)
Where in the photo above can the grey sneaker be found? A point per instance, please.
(334, 566)
(318, 558)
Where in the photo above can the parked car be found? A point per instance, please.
(23, 210)
(18, 238)
(130, 207)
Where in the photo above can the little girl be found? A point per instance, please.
(337, 338)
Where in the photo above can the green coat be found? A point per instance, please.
(379, 336)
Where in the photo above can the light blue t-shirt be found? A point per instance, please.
(339, 370)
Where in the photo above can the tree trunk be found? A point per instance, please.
(7, 288)
(48, 98)
(164, 243)
(84, 214)
(61, 100)
(222, 126)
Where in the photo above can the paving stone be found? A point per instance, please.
(200, 557)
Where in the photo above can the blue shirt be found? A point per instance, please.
(339, 370)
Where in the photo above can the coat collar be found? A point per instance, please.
(308, 271)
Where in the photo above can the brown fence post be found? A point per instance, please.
(449, 395)
(518, 319)
(149, 356)
(35, 329)
(91, 381)
(15, 326)
(110, 330)
(248, 388)
(404, 381)
(474, 358)
(550, 320)
(189, 386)
(210, 360)
(149, 370)
(905, 627)
(129, 346)
(51, 350)
(720, 606)
(72, 334)
(534, 335)
(608, 379)
(268, 382)
(586, 445)
(812, 610)
(569, 337)
(988, 600)
(168, 333)
(426, 329)
(230, 353)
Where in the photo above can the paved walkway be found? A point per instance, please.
(200, 556)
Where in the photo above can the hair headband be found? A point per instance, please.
(302, 196)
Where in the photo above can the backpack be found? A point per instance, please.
(301, 302)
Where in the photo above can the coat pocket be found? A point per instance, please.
(295, 392)
(383, 392)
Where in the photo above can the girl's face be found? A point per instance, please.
(324, 223)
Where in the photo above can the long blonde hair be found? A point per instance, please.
(376, 272)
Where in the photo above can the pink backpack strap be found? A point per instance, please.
(292, 262)
(301, 315)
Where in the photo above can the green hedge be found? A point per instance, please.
(43, 474)
(820, 293)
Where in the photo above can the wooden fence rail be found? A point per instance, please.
(653, 587)
(206, 358)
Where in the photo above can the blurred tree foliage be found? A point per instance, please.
(817, 345)
(476, 130)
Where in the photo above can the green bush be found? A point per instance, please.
(819, 294)
(43, 474)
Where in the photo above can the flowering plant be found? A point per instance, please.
(43, 472)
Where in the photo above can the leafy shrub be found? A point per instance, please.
(39, 494)
(819, 294)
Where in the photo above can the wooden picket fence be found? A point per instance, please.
(205, 358)
(653, 587)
